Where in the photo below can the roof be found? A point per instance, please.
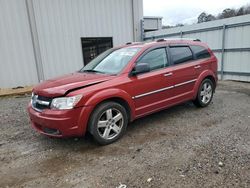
(165, 41)
(152, 17)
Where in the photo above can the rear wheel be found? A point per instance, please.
(205, 93)
(108, 122)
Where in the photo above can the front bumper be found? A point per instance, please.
(60, 123)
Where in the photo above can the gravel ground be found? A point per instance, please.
(183, 146)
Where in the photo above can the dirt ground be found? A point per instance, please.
(183, 146)
(15, 91)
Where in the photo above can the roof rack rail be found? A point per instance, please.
(166, 39)
(160, 40)
(197, 40)
(129, 43)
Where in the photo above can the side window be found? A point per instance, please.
(156, 59)
(181, 54)
(200, 52)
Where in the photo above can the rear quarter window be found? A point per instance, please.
(200, 52)
(181, 54)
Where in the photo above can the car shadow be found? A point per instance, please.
(87, 143)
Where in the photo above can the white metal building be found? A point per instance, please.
(41, 39)
(152, 23)
(229, 39)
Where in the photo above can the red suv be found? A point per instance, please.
(121, 85)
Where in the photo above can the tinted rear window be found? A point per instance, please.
(181, 54)
(200, 52)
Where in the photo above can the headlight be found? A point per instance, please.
(32, 96)
(63, 103)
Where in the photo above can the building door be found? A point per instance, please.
(92, 47)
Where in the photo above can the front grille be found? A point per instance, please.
(42, 98)
(40, 106)
(40, 102)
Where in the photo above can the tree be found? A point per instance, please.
(179, 25)
(166, 26)
(210, 17)
(227, 13)
(247, 9)
(240, 11)
(202, 17)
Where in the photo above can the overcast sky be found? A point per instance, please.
(187, 11)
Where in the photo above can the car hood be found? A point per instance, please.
(61, 85)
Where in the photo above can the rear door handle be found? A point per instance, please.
(197, 67)
(168, 74)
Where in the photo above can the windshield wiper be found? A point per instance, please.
(95, 71)
(91, 70)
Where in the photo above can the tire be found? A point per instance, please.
(205, 93)
(108, 122)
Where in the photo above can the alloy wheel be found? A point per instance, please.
(206, 92)
(110, 123)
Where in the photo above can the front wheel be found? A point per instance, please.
(205, 93)
(108, 122)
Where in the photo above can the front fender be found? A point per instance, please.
(201, 77)
(106, 94)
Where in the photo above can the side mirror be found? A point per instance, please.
(140, 68)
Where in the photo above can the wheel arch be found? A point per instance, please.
(212, 79)
(116, 95)
(120, 101)
(206, 74)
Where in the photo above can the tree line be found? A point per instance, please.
(226, 13)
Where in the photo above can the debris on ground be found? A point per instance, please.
(122, 186)
(149, 180)
(221, 164)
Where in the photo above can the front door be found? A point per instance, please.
(151, 90)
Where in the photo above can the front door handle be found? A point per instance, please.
(168, 74)
(197, 67)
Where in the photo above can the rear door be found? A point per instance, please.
(184, 73)
(151, 90)
(202, 56)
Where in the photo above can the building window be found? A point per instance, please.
(92, 47)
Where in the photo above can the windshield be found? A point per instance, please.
(111, 61)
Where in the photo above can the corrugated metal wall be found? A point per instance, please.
(17, 61)
(60, 24)
(236, 60)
